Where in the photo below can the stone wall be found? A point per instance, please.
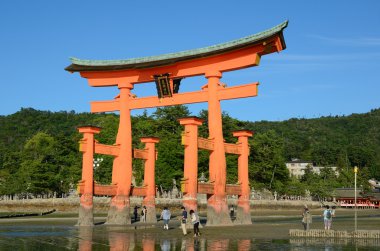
(101, 204)
(368, 234)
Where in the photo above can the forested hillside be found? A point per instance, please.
(39, 149)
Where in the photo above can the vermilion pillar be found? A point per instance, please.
(149, 178)
(243, 215)
(119, 208)
(217, 208)
(191, 161)
(86, 217)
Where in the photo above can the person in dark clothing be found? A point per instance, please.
(135, 213)
(184, 220)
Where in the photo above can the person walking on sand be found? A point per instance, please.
(195, 221)
(143, 214)
(306, 218)
(165, 215)
(184, 220)
(327, 218)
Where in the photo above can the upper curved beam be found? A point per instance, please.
(81, 65)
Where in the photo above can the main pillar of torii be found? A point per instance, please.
(167, 71)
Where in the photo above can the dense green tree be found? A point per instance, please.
(268, 164)
(38, 172)
(39, 149)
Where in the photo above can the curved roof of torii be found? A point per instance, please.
(81, 65)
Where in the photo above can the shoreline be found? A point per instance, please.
(101, 204)
(266, 224)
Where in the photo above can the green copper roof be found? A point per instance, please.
(165, 59)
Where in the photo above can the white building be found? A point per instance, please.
(297, 167)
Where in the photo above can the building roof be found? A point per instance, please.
(299, 161)
(79, 65)
(348, 193)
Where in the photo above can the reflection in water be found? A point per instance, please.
(148, 243)
(333, 243)
(120, 241)
(85, 238)
(244, 245)
(217, 245)
(90, 239)
(55, 237)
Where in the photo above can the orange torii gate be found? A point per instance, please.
(191, 187)
(87, 187)
(167, 71)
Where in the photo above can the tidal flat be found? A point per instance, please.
(269, 231)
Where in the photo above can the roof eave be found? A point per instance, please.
(79, 65)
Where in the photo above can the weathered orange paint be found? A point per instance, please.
(243, 162)
(191, 161)
(124, 167)
(241, 91)
(244, 215)
(86, 217)
(99, 189)
(107, 149)
(149, 178)
(234, 60)
(217, 208)
(87, 164)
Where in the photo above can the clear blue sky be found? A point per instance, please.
(331, 65)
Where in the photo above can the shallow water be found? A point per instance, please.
(66, 237)
(264, 234)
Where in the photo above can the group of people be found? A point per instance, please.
(166, 215)
(194, 218)
(143, 213)
(327, 214)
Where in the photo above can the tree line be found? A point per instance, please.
(39, 151)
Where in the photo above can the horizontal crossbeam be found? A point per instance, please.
(208, 144)
(235, 92)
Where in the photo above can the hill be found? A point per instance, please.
(39, 150)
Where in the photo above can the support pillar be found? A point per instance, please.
(217, 207)
(243, 214)
(118, 213)
(86, 216)
(190, 172)
(149, 178)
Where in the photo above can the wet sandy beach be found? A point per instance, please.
(273, 224)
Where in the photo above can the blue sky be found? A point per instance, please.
(331, 65)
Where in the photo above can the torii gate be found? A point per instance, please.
(167, 71)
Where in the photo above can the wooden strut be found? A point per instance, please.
(113, 150)
(208, 144)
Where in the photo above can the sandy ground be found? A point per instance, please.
(273, 224)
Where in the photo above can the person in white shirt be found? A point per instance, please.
(195, 221)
